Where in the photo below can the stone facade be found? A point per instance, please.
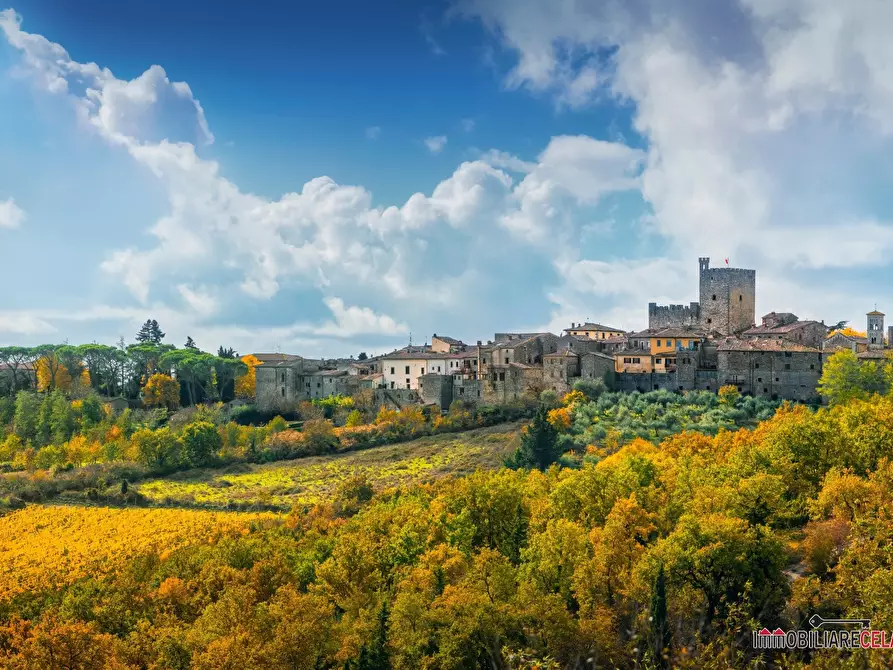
(595, 365)
(727, 298)
(673, 316)
(787, 326)
(875, 330)
(778, 370)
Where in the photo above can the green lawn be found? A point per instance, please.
(310, 480)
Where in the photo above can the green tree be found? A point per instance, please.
(190, 343)
(16, 361)
(91, 411)
(156, 448)
(660, 626)
(26, 417)
(845, 378)
(539, 444)
(150, 333)
(201, 442)
(62, 418)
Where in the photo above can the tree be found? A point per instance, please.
(226, 352)
(195, 371)
(157, 448)
(362, 356)
(845, 377)
(660, 627)
(227, 370)
(150, 333)
(16, 359)
(728, 394)
(27, 409)
(201, 442)
(539, 444)
(161, 391)
(190, 343)
(246, 383)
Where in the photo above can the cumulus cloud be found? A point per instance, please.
(11, 215)
(373, 132)
(350, 321)
(755, 116)
(436, 144)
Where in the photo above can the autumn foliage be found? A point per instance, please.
(161, 391)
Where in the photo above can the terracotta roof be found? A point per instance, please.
(632, 352)
(643, 333)
(616, 339)
(415, 356)
(594, 326)
(272, 359)
(779, 330)
(448, 340)
(511, 344)
(876, 354)
(680, 332)
(762, 344)
(564, 351)
(875, 313)
(860, 340)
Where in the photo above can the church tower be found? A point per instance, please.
(875, 331)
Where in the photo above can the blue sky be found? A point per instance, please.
(327, 178)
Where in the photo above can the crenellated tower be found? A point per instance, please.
(727, 298)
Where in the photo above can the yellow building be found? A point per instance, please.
(665, 344)
(593, 331)
(633, 360)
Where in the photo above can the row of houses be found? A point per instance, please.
(699, 346)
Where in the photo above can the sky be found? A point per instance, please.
(329, 178)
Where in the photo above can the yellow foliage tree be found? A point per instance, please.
(161, 391)
(849, 332)
(246, 385)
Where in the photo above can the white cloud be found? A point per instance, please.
(468, 125)
(199, 299)
(373, 132)
(436, 144)
(11, 215)
(23, 323)
(351, 321)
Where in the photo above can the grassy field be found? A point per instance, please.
(46, 546)
(310, 480)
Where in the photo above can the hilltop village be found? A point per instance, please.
(707, 344)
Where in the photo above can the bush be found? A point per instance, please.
(201, 442)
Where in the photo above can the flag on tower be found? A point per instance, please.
(727, 261)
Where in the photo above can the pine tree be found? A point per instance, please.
(190, 343)
(226, 352)
(660, 627)
(150, 333)
(539, 444)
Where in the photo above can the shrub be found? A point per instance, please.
(201, 442)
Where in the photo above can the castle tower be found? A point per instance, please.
(727, 298)
(875, 331)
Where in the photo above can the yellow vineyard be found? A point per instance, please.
(46, 547)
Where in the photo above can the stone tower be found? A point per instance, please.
(728, 298)
(875, 331)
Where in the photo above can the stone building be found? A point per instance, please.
(727, 302)
(875, 331)
(593, 331)
(786, 326)
(728, 298)
(839, 341)
(778, 369)
(279, 380)
(561, 369)
(443, 344)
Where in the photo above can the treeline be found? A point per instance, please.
(650, 556)
(124, 370)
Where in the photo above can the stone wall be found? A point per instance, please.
(597, 366)
(673, 316)
(436, 389)
(395, 398)
(727, 298)
(645, 381)
(785, 375)
(278, 386)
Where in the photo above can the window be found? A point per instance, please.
(392, 384)
(756, 366)
(765, 390)
(776, 379)
(714, 296)
(709, 320)
(669, 343)
(407, 369)
(811, 366)
(787, 366)
(392, 370)
(506, 360)
(658, 360)
(438, 368)
(787, 354)
(627, 360)
(461, 390)
(407, 383)
(740, 298)
(283, 391)
(637, 360)
(759, 379)
(502, 376)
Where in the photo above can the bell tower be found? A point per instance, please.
(875, 330)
